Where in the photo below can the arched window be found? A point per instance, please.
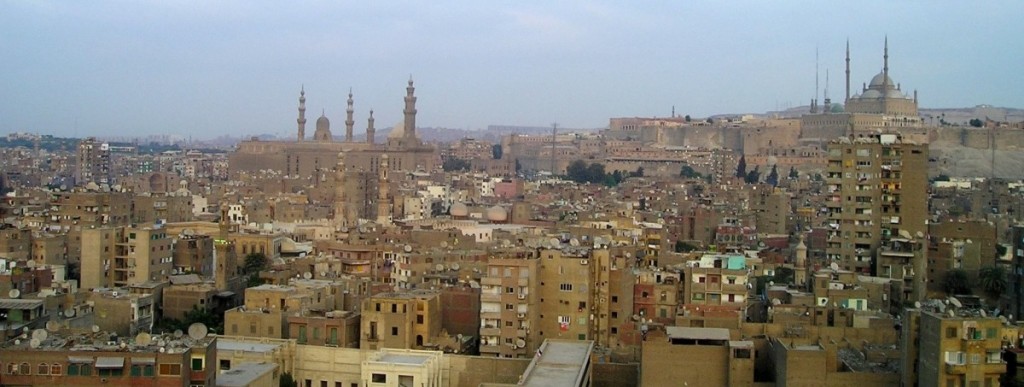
(55, 369)
(43, 369)
(26, 369)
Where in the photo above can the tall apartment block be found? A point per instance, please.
(93, 162)
(123, 256)
(877, 190)
(508, 307)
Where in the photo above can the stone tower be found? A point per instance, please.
(225, 260)
(383, 199)
(800, 273)
(349, 122)
(370, 131)
(410, 111)
(343, 215)
(302, 114)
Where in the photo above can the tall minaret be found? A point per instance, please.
(348, 120)
(383, 202)
(410, 111)
(341, 211)
(302, 114)
(225, 263)
(370, 131)
(885, 65)
(847, 100)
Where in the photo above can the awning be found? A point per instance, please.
(143, 360)
(110, 362)
(79, 359)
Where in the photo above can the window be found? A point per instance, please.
(73, 369)
(565, 287)
(378, 378)
(378, 307)
(991, 333)
(615, 315)
(564, 320)
(993, 357)
(951, 332)
(55, 369)
(197, 364)
(136, 370)
(25, 369)
(741, 353)
(147, 370)
(110, 371)
(509, 306)
(394, 308)
(419, 319)
(170, 369)
(615, 299)
(394, 331)
(615, 330)
(43, 369)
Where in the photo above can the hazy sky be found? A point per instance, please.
(206, 68)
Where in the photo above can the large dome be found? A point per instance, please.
(871, 94)
(323, 123)
(879, 79)
(459, 210)
(497, 214)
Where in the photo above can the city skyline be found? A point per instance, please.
(204, 70)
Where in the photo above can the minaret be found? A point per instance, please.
(370, 131)
(383, 202)
(828, 101)
(801, 261)
(410, 111)
(348, 118)
(302, 114)
(885, 65)
(341, 213)
(847, 100)
(225, 265)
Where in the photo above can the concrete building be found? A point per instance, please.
(565, 292)
(404, 320)
(696, 357)
(123, 256)
(93, 162)
(560, 363)
(958, 347)
(716, 280)
(397, 367)
(509, 302)
(876, 191)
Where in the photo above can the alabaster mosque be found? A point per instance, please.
(360, 170)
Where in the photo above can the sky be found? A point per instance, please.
(209, 68)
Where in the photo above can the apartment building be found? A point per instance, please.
(509, 314)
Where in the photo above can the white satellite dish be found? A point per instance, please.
(39, 334)
(178, 333)
(14, 293)
(444, 244)
(629, 255)
(455, 266)
(983, 313)
(520, 343)
(408, 248)
(834, 266)
(439, 267)
(143, 339)
(31, 264)
(35, 343)
(307, 275)
(554, 242)
(197, 331)
(917, 304)
(95, 329)
(776, 301)
(951, 313)
(574, 242)
(955, 302)
(323, 274)
(69, 312)
(474, 284)
(52, 326)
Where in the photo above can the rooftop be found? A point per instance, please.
(243, 374)
(558, 363)
(697, 333)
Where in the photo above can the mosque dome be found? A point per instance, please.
(459, 210)
(893, 93)
(323, 123)
(878, 80)
(871, 94)
(497, 214)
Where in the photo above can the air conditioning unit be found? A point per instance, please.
(583, 262)
(521, 315)
(522, 296)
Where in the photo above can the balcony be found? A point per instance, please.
(959, 369)
(495, 331)
(490, 297)
(493, 281)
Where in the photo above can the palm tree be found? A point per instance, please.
(956, 282)
(993, 280)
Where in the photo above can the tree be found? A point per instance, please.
(496, 151)
(577, 171)
(687, 118)
(453, 164)
(975, 122)
(773, 176)
(993, 280)
(684, 247)
(287, 380)
(793, 174)
(689, 173)
(741, 167)
(784, 275)
(254, 263)
(595, 173)
(956, 282)
(754, 175)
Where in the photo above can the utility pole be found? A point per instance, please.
(554, 135)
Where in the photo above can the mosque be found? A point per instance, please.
(360, 169)
(881, 104)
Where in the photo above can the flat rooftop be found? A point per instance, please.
(403, 359)
(697, 333)
(243, 374)
(559, 363)
(225, 344)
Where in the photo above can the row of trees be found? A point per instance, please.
(582, 172)
(992, 280)
(754, 176)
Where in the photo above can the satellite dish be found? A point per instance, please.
(629, 255)
(439, 267)
(951, 313)
(983, 314)
(52, 326)
(197, 331)
(95, 329)
(520, 343)
(455, 266)
(834, 266)
(955, 302)
(444, 244)
(574, 242)
(917, 304)
(178, 333)
(39, 334)
(31, 264)
(14, 293)
(776, 302)
(554, 242)
(34, 343)
(69, 312)
(408, 248)
(143, 339)
(474, 284)
(307, 275)
(323, 274)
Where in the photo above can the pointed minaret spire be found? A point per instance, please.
(370, 131)
(302, 114)
(410, 110)
(885, 62)
(349, 122)
(383, 196)
(847, 100)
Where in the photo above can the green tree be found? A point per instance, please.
(595, 173)
(287, 380)
(977, 123)
(687, 118)
(793, 174)
(784, 275)
(689, 173)
(956, 282)
(453, 164)
(496, 151)
(741, 168)
(993, 280)
(754, 175)
(773, 176)
(577, 171)
(254, 263)
(684, 247)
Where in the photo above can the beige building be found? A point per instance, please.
(404, 320)
(565, 291)
(876, 191)
(716, 280)
(509, 315)
(696, 357)
(123, 256)
(961, 348)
